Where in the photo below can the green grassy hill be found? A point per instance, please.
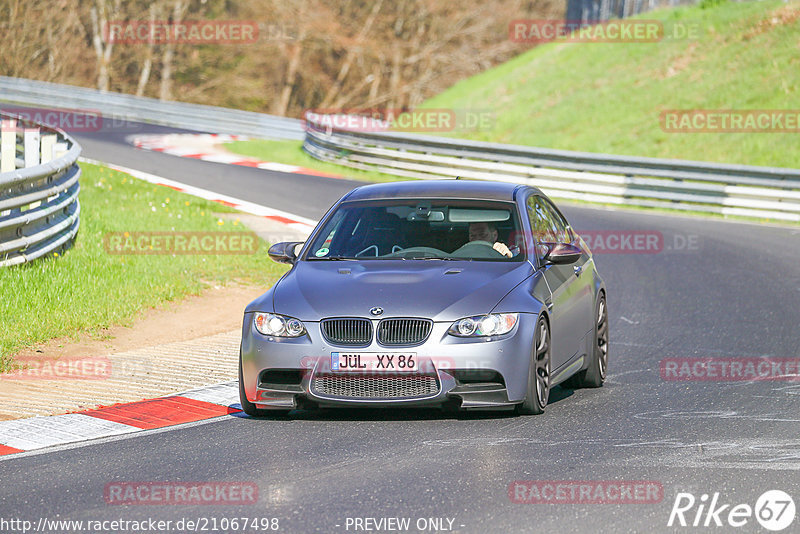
(607, 97)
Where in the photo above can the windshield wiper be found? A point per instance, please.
(334, 258)
(436, 258)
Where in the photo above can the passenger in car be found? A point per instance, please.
(482, 231)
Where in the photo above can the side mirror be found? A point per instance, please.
(563, 254)
(284, 252)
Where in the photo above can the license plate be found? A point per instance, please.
(374, 361)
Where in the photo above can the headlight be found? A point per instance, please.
(272, 324)
(494, 324)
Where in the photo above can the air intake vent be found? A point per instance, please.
(393, 332)
(375, 387)
(347, 331)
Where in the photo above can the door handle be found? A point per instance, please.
(578, 269)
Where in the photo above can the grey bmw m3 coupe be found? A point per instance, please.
(451, 293)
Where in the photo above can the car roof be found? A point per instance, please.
(461, 189)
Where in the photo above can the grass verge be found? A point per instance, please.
(88, 289)
(608, 97)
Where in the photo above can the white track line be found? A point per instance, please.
(290, 219)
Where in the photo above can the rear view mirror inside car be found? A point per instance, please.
(432, 216)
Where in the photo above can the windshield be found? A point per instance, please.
(421, 230)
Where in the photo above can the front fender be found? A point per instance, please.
(528, 297)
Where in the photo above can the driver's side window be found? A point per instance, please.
(547, 226)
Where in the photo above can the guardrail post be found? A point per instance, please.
(60, 149)
(31, 144)
(8, 145)
(48, 147)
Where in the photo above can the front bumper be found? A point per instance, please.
(470, 373)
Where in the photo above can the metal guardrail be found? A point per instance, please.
(122, 107)
(39, 208)
(760, 192)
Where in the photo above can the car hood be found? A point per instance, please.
(442, 291)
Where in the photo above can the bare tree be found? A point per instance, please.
(293, 52)
(15, 21)
(352, 52)
(32, 46)
(147, 63)
(165, 93)
(102, 47)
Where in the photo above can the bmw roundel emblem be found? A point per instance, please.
(376, 311)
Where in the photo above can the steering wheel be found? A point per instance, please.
(479, 250)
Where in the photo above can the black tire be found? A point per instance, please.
(594, 375)
(248, 407)
(538, 392)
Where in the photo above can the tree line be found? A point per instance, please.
(307, 54)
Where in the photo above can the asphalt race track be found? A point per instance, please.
(714, 289)
(305, 195)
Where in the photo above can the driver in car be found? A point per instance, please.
(481, 231)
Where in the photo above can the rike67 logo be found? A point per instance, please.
(774, 510)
